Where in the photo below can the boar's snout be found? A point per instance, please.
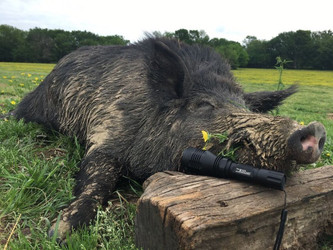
(306, 144)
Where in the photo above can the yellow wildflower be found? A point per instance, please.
(29, 75)
(328, 154)
(301, 123)
(4, 77)
(204, 135)
(10, 80)
(22, 74)
(36, 78)
(13, 77)
(21, 84)
(6, 120)
(2, 91)
(13, 102)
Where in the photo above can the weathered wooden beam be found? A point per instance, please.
(179, 211)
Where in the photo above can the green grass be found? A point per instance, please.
(37, 177)
(271, 76)
(37, 168)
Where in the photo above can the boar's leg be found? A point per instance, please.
(265, 101)
(96, 180)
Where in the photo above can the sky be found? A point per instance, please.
(232, 19)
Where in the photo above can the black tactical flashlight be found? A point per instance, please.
(206, 163)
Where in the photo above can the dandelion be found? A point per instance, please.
(204, 135)
(301, 123)
(2, 91)
(13, 102)
(6, 120)
(22, 74)
(21, 84)
(36, 78)
(29, 75)
(328, 154)
(10, 80)
(4, 77)
(13, 77)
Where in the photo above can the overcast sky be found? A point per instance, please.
(232, 19)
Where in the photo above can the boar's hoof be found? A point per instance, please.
(60, 230)
(306, 145)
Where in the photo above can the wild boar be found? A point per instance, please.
(136, 108)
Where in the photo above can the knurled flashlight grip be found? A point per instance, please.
(206, 163)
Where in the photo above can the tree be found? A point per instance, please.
(258, 54)
(113, 40)
(190, 37)
(41, 46)
(199, 37)
(305, 50)
(64, 43)
(234, 53)
(283, 45)
(85, 38)
(183, 35)
(10, 39)
(323, 42)
(218, 42)
(295, 46)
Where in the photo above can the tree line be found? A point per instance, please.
(305, 49)
(47, 46)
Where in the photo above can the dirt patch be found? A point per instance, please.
(330, 116)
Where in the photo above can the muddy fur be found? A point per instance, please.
(137, 107)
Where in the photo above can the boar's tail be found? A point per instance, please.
(265, 101)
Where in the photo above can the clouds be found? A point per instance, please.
(233, 20)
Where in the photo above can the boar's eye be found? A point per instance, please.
(205, 105)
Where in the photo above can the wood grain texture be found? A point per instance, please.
(179, 211)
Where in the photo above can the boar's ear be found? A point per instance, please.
(267, 100)
(167, 71)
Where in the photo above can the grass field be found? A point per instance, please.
(37, 168)
(301, 77)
